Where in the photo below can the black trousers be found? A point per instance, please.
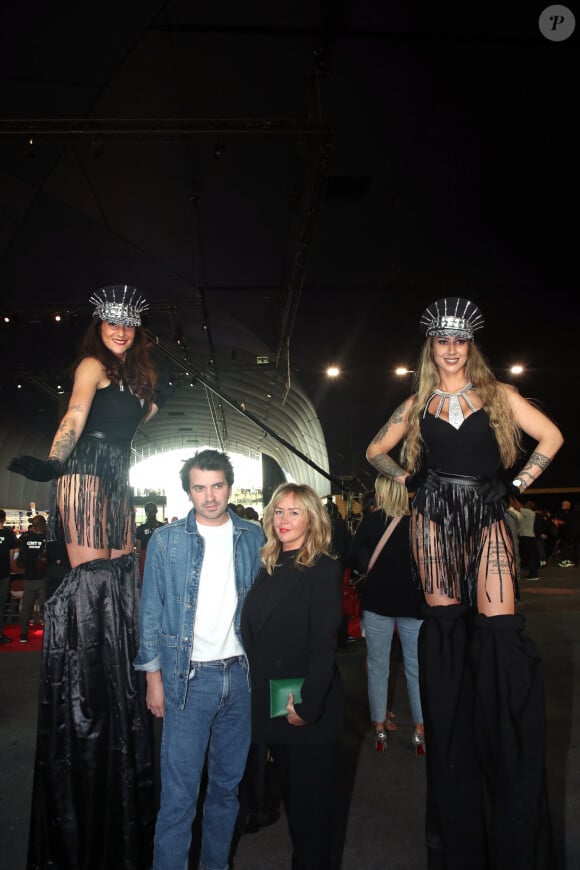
(308, 776)
(530, 554)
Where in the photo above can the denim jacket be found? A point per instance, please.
(169, 596)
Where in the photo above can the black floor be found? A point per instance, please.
(380, 824)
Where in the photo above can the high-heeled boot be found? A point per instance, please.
(454, 812)
(510, 734)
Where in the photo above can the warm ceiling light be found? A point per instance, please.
(332, 371)
(517, 369)
(401, 370)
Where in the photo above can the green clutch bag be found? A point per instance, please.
(279, 691)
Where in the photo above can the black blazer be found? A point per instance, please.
(289, 627)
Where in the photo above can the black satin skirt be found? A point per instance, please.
(93, 802)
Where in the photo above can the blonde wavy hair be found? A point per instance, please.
(318, 533)
(477, 371)
(392, 496)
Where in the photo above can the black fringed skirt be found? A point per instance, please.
(93, 804)
(453, 532)
(94, 490)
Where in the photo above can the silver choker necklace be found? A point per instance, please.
(456, 417)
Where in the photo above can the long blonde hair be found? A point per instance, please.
(392, 496)
(477, 371)
(318, 533)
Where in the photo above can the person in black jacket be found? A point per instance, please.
(289, 624)
(8, 542)
(31, 546)
(340, 537)
(390, 599)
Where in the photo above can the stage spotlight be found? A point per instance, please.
(30, 149)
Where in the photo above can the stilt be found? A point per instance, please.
(454, 814)
(510, 735)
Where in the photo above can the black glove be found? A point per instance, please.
(493, 490)
(425, 479)
(36, 469)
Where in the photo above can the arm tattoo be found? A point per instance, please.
(63, 445)
(387, 466)
(396, 417)
(540, 461)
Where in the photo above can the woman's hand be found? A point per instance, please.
(493, 490)
(293, 717)
(35, 469)
(152, 411)
(425, 479)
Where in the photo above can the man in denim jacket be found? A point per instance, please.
(197, 573)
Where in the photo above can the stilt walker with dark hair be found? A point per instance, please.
(93, 803)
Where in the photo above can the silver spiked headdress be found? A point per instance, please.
(119, 303)
(453, 317)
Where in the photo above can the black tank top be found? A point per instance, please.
(115, 412)
(470, 450)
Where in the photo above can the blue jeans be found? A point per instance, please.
(379, 634)
(216, 719)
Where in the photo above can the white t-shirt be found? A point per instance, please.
(217, 599)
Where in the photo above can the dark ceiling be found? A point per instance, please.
(294, 179)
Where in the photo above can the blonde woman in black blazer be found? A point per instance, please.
(289, 626)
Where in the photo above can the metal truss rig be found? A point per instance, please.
(74, 130)
(239, 407)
